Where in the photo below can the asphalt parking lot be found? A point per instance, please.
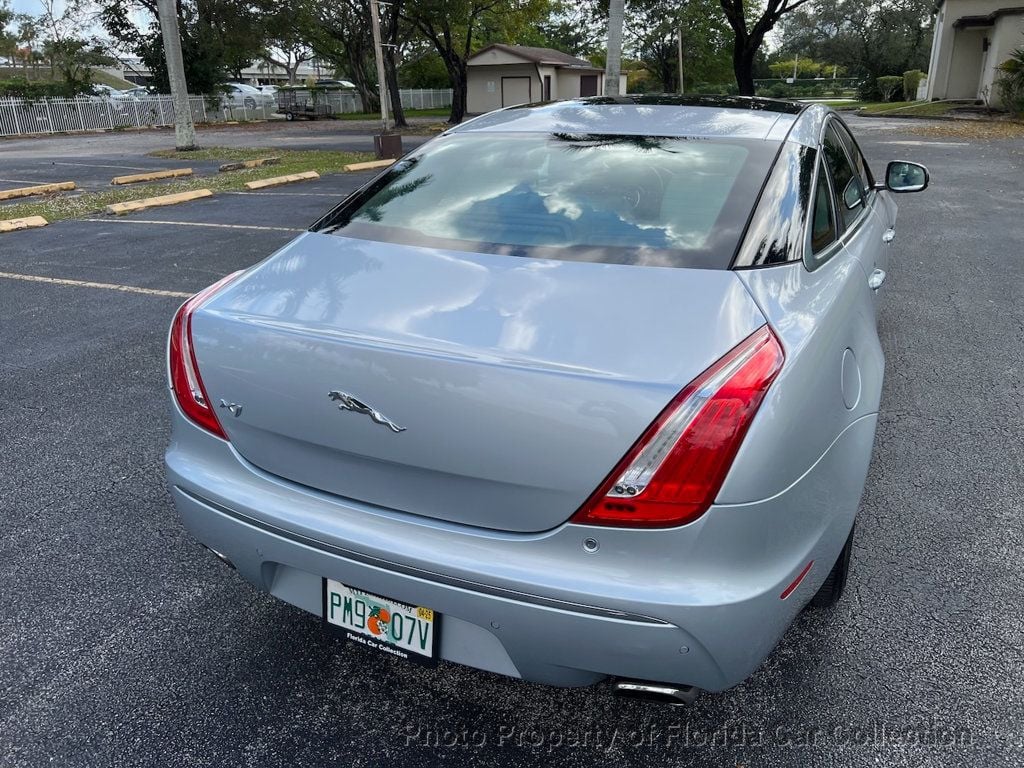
(124, 643)
(92, 160)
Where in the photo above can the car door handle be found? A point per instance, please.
(876, 279)
(889, 236)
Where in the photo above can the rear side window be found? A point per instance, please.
(848, 186)
(650, 201)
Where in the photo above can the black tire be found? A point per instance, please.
(250, 103)
(835, 583)
(289, 116)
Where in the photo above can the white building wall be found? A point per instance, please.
(956, 62)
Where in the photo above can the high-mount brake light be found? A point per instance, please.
(673, 473)
(185, 379)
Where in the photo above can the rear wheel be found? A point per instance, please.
(832, 589)
(289, 115)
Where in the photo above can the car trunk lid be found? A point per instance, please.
(477, 389)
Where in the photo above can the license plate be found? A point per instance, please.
(407, 631)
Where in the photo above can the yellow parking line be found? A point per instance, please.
(90, 284)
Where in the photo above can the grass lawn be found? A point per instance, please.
(58, 207)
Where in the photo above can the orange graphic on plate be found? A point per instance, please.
(379, 620)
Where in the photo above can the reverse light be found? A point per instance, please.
(185, 380)
(673, 473)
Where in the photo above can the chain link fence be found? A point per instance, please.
(94, 113)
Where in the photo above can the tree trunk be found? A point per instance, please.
(367, 93)
(743, 66)
(391, 75)
(457, 75)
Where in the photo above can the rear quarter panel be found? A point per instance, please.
(817, 316)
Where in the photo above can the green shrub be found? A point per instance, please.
(890, 87)
(20, 88)
(911, 81)
(1011, 82)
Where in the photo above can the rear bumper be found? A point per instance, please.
(698, 605)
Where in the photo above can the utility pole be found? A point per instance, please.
(613, 64)
(378, 52)
(796, 66)
(184, 130)
(682, 82)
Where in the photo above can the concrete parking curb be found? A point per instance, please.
(28, 222)
(257, 163)
(151, 176)
(369, 166)
(40, 189)
(279, 180)
(155, 202)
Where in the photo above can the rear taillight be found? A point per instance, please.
(185, 380)
(673, 473)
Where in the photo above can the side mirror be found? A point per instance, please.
(902, 176)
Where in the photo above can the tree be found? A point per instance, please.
(8, 41)
(218, 37)
(869, 38)
(340, 33)
(748, 39)
(28, 32)
(656, 26)
(453, 27)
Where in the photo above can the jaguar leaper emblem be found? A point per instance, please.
(347, 402)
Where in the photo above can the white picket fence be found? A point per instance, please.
(91, 113)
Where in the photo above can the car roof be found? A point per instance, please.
(650, 115)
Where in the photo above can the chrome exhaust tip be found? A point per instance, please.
(220, 556)
(663, 693)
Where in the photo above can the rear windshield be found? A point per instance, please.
(667, 202)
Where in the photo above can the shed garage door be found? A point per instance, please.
(515, 90)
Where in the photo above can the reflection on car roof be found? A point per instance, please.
(660, 115)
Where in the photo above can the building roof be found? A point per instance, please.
(989, 19)
(547, 56)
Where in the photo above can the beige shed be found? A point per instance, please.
(505, 75)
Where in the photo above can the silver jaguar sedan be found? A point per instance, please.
(575, 390)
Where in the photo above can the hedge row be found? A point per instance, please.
(19, 87)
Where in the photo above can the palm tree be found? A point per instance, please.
(613, 64)
(1011, 81)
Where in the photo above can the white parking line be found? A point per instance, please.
(90, 284)
(195, 224)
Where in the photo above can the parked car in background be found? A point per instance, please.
(140, 92)
(331, 84)
(271, 89)
(101, 92)
(248, 96)
(575, 390)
